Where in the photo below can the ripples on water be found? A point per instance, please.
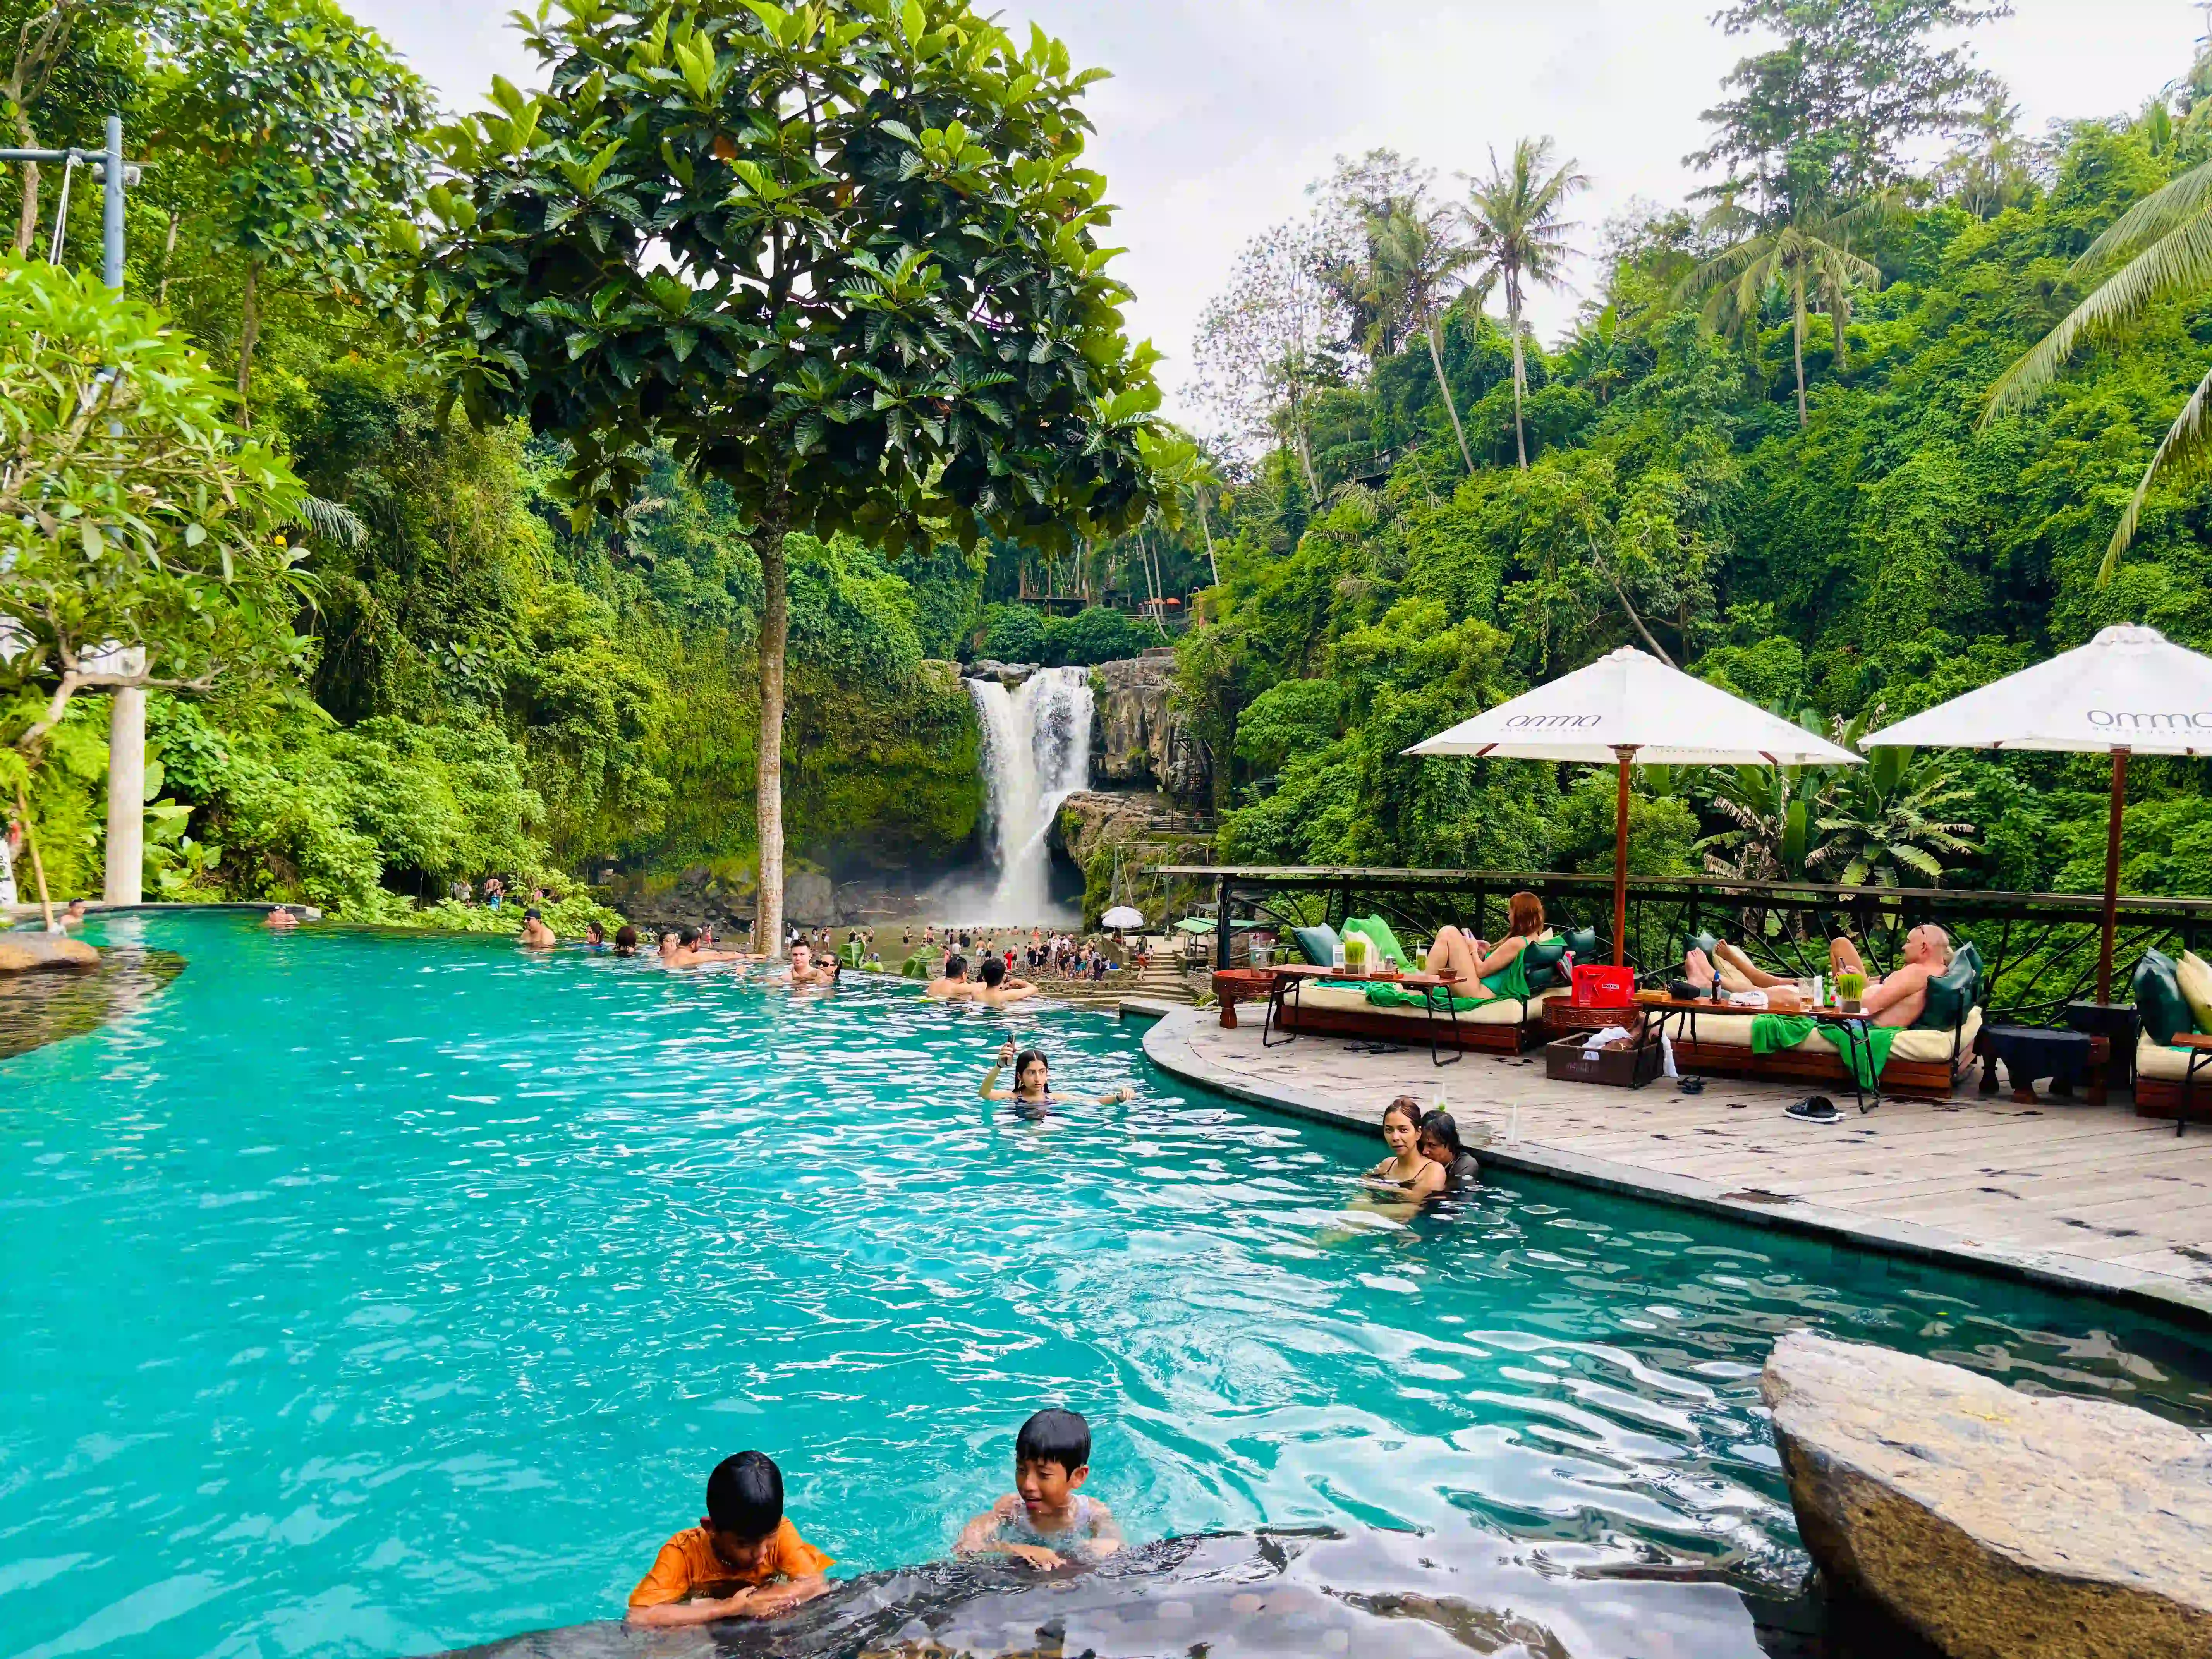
(379, 1295)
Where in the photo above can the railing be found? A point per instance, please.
(2040, 949)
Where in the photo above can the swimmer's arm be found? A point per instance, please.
(1115, 1096)
(1105, 1534)
(766, 1604)
(704, 1611)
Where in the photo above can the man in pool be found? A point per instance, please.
(952, 985)
(744, 1561)
(535, 935)
(626, 940)
(279, 919)
(1000, 988)
(1046, 1520)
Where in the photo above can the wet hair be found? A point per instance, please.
(1404, 1106)
(1054, 1436)
(956, 967)
(993, 970)
(687, 937)
(593, 930)
(745, 1495)
(1021, 1063)
(1443, 1129)
(1524, 916)
(626, 938)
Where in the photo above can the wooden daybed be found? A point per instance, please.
(1922, 1062)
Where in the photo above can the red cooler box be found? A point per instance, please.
(1601, 985)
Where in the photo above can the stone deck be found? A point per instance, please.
(2088, 1197)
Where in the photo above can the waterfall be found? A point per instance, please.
(1036, 752)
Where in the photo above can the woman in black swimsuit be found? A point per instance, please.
(1412, 1175)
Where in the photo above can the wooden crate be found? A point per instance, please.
(1629, 1066)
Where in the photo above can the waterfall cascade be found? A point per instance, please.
(1036, 752)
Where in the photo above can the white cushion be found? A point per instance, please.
(2154, 1060)
(1351, 999)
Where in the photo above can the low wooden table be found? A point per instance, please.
(2005, 1043)
(1290, 976)
(1853, 1026)
(1234, 985)
(1563, 1019)
(2200, 1057)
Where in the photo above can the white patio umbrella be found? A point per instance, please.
(2130, 690)
(1120, 917)
(1629, 707)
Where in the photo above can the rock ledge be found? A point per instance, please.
(22, 953)
(1998, 1524)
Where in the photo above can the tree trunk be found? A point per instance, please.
(1520, 376)
(249, 333)
(767, 807)
(168, 253)
(37, 866)
(1798, 344)
(1839, 321)
(1211, 563)
(26, 221)
(1451, 407)
(1305, 452)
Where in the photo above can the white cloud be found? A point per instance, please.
(1222, 111)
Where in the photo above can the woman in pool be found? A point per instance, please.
(1439, 1143)
(1033, 1081)
(1407, 1173)
(1482, 970)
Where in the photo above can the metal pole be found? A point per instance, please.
(2111, 875)
(110, 206)
(1221, 925)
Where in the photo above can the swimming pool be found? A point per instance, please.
(374, 1295)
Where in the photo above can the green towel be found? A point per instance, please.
(1510, 980)
(1771, 1032)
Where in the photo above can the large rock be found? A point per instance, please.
(1998, 1524)
(809, 899)
(22, 953)
(1092, 819)
(1008, 674)
(1141, 739)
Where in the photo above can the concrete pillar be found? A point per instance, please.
(126, 797)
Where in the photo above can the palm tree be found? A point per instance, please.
(1415, 264)
(1515, 235)
(2166, 241)
(1807, 255)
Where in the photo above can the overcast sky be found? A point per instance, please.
(1220, 111)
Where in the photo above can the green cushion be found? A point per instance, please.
(1540, 962)
(1952, 993)
(1316, 944)
(1385, 941)
(2158, 1002)
(1583, 942)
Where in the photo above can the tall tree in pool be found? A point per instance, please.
(841, 256)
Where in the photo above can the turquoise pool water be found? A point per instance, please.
(376, 1295)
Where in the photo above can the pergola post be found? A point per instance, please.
(121, 882)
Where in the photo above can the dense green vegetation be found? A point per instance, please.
(478, 679)
(1891, 550)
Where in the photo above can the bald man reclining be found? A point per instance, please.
(1896, 1000)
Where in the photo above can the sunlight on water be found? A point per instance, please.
(377, 1295)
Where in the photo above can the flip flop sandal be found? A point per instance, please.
(1690, 1085)
(1819, 1109)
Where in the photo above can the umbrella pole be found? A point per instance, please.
(1620, 862)
(2111, 875)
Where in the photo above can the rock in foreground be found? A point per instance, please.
(19, 953)
(1998, 1524)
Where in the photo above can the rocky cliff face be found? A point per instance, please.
(1139, 739)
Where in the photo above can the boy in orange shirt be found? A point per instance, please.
(743, 1560)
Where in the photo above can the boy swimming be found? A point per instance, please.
(744, 1559)
(1045, 1519)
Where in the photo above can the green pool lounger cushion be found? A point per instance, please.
(2158, 1002)
(1316, 944)
(1378, 933)
(1952, 992)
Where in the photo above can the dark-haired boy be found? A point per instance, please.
(1045, 1519)
(744, 1559)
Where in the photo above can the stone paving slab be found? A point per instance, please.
(2083, 1197)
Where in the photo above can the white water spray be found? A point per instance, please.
(1036, 752)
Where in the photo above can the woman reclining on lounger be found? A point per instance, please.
(1482, 971)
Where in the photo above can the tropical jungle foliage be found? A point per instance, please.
(465, 677)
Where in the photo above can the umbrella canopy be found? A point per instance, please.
(1630, 706)
(2130, 690)
(1122, 916)
(1631, 700)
